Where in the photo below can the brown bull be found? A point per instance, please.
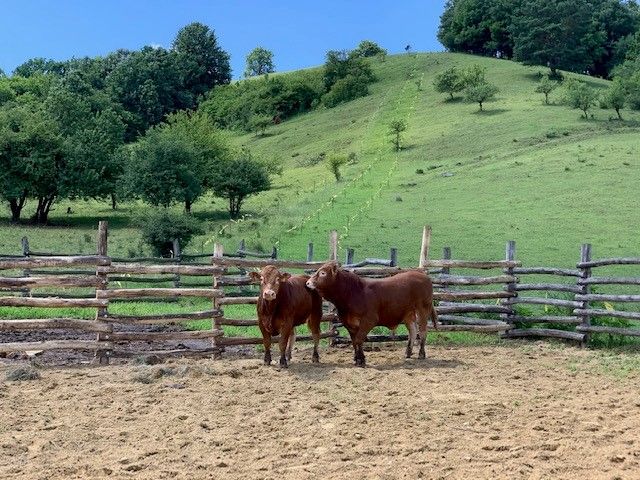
(364, 303)
(283, 304)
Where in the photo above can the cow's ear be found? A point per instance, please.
(255, 276)
(333, 269)
(285, 276)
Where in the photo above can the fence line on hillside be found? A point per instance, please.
(482, 301)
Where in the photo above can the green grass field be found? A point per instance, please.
(522, 170)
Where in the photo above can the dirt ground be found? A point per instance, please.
(519, 411)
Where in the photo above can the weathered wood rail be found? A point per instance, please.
(491, 300)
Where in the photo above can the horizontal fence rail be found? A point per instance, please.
(498, 298)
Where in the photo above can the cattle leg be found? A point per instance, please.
(292, 340)
(313, 322)
(361, 336)
(266, 342)
(285, 333)
(411, 326)
(423, 318)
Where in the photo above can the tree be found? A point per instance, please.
(546, 86)
(615, 97)
(39, 66)
(582, 96)
(450, 81)
(396, 127)
(205, 65)
(614, 22)
(480, 27)
(480, 92)
(474, 75)
(367, 48)
(345, 77)
(163, 170)
(335, 162)
(238, 178)
(93, 130)
(175, 161)
(555, 33)
(259, 62)
(31, 149)
(149, 84)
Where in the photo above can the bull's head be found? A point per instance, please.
(270, 280)
(324, 276)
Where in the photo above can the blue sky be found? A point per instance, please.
(298, 32)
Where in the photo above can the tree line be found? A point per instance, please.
(584, 36)
(147, 124)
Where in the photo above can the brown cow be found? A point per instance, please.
(364, 303)
(283, 304)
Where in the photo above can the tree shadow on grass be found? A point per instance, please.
(72, 221)
(491, 112)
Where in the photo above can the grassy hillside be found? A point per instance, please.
(521, 170)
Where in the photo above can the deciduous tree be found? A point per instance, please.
(259, 62)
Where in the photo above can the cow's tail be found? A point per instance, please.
(434, 317)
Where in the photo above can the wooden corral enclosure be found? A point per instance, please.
(484, 297)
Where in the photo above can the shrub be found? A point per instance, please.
(334, 164)
(367, 48)
(396, 127)
(450, 81)
(161, 228)
(346, 89)
(546, 86)
(581, 96)
(480, 92)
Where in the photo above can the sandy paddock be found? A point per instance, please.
(518, 411)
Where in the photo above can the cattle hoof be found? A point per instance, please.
(283, 363)
(315, 358)
(422, 355)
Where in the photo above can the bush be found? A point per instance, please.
(396, 127)
(334, 164)
(582, 96)
(346, 89)
(161, 228)
(367, 48)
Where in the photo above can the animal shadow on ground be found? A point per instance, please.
(324, 369)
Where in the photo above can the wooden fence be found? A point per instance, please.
(481, 296)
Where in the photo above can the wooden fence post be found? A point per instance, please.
(510, 256)
(349, 258)
(26, 272)
(102, 356)
(585, 256)
(333, 246)
(446, 255)
(424, 248)
(393, 257)
(310, 252)
(177, 254)
(241, 248)
(218, 252)
(274, 253)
